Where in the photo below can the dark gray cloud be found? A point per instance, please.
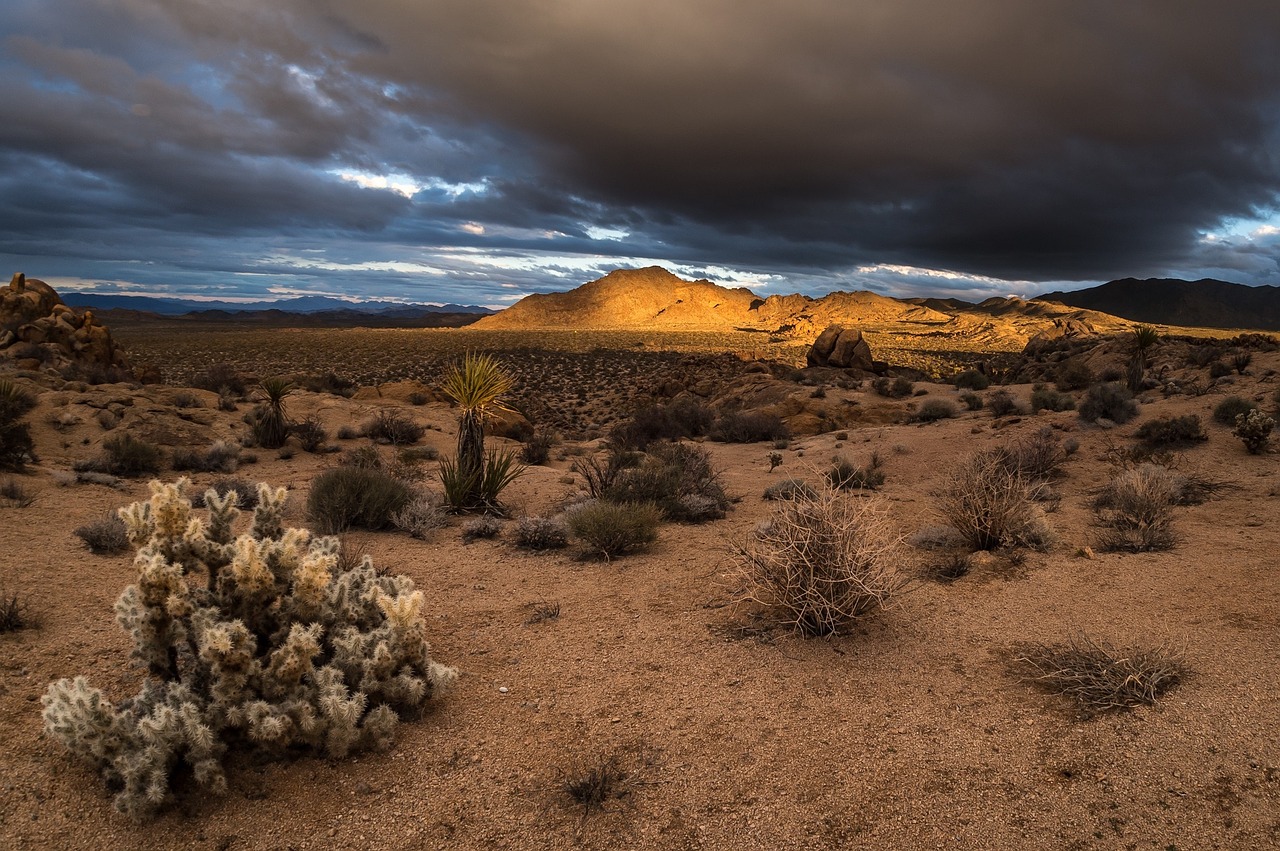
(815, 144)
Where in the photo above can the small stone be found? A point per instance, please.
(502, 689)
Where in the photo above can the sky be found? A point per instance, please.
(475, 151)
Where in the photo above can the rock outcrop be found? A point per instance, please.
(37, 330)
(841, 347)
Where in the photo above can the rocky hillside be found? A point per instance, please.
(1206, 303)
(653, 298)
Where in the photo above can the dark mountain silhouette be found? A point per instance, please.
(300, 304)
(1206, 303)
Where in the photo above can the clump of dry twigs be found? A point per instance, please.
(1099, 677)
(988, 500)
(821, 560)
(1136, 509)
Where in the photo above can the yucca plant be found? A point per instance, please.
(1144, 337)
(467, 490)
(271, 428)
(477, 385)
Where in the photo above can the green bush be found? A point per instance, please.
(125, 455)
(219, 457)
(845, 475)
(676, 477)
(1001, 404)
(1112, 401)
(972, 379)
(682, 418)
(479, 489)
(392, 425)
(16, 446)
(749, 427)
(355, 497)
(1073, 375)
(541, 533)
(972, 401)
(1172, 431)
(610, 529)
(255, 647)
(934, 410)
(1230, 408)
(1046, 398)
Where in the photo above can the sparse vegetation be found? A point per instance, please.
(988, 502)
(543, 611)
(1073, 374)
(310, 433)
(971, 379)
(789, 489)
(821, 561)
(393, 426)
(219, 457)
(897, 388)
(1044, 398)
(541, 533)
(355, 497)
(1098, 677)
(485, 527)
(682, 418)
(15, 613)
(421, 517)
(537, 449)
(1229, 409)
(611, 529)
(748, 427)
(1136, 510)
(845, 475)
(1172, 431)
(16, 494)
(16, 446)
(473, 479)
(270, 421)
(972, 401)
(679, 479)
(125, 455)
(1144, 337)
(105, 537)
(1001, 404)
(934, 410)
(479, 489)
(1111, 401)
(591, 788)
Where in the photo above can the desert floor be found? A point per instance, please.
(910, 732)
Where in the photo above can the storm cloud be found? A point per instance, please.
(474, 150)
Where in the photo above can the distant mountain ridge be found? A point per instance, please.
(654, 299)
(299, 304)
(1206, 303)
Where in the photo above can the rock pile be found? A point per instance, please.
(843, 348)
(37, 330)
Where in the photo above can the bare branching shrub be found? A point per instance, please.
(421, 516)
(311, 434)
(1036, 457)
(104, 537)
(821, 561)
(537, 449)
(845, 475)
(1099, 677)
(610, 529)
(601, 474)
(1136, 509)
(392, 425)
(15, 613)
(989, 502)
(541, 533)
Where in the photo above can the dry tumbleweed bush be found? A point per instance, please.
(988, 501)
(1099, 677)
(821, 560)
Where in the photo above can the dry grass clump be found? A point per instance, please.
(219, 457)
(541, 533)
(1136, 509)
(821, 561)
(593, 786)
(845, 475)
(789, 489)
(486, 527)
(1099, 677)
(15, 493)
(125, 455)
(393, 426)
(15, 614)
(611, 529)
(988, 501)
(104, 537)
(421, 516)
(311, 434)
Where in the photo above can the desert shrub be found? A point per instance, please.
(819, 392)
(15, 613)
(541, 533)
(1240, 361)
(106, 536)
(220, 378)
(1112, 401)
(1218, 369)
(420, 517)
(1036, 457)
(392, 425)
(537, 449)
(1098, 677)
(821, 560)
(125, 455)
(355, 497)
(479, 489)
(1136, 509)
(971, 379)
(328, 382)
(681, 418)
(611, 529)
(348, 432)
(789, 489)
(256, 643)
(1072, 375)
(219, 457)
(934, 410)
(679, 479)
(1230, 408)
(1254, 429)
(988, 501)
(185, 399)
(366, 457)
(972, 401)
(310, 433)
(748, 427)
(15, 493)
(1172, 431)
(269, 421)
(1044, 398)
(16, 446)
(898, 388)
(1001, 404)
(601, 474)
(935, 537)
(774, 459)
(1202, 354)
(227, 401)
(246, 492)
(485, 526)
(845, 475)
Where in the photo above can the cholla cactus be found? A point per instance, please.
(1254, 428)
(257, 640)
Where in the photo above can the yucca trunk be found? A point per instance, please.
(471, 446)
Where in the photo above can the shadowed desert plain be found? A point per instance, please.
(1034, 479)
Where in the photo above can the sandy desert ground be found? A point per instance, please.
(911, 731)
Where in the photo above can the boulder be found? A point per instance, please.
(840, 347)
(32, 315)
